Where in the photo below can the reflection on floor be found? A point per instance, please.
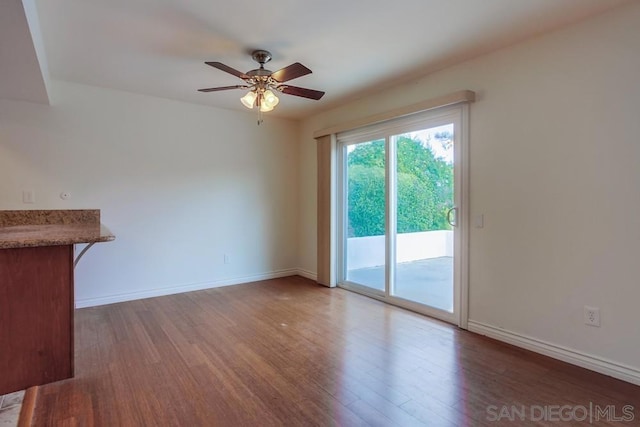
(426, 281)
(10, 405)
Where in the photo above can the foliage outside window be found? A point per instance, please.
(425, 186)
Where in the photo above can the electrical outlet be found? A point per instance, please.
(28, 196)
(591, 316)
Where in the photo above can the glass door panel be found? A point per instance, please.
(365, 254)
(425, 200)
(401, 212)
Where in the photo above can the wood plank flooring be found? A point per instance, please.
(287, 352)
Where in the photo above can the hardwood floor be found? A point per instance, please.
(290, 352)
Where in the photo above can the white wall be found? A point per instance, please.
(555, 169)
(180, 185)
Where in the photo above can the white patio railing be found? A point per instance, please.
(363, 252)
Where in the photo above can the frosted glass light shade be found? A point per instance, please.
(264, 107)
(270, 99)
(249, 99)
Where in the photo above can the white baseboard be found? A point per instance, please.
(594, 363)
(130, 296)
(308, 274)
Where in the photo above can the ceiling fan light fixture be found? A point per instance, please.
(262, 84)
(265, 108)
(249, 99)
(270, 99)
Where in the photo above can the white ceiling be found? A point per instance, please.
(23, 68)
(158, 47)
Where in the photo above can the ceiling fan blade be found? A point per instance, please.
(227, 69)
(303, 92)
(291, 72)
(215, 89)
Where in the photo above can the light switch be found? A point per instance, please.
(478, 221)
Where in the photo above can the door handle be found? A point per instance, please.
(454, 222)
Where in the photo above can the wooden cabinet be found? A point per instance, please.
(36, 316)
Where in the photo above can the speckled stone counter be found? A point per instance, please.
(32, 228)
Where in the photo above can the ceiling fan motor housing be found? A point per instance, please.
(259, 72)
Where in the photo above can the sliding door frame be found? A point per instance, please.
(430, 118)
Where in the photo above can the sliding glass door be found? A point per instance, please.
(399, 212)
(424, 170)
(365, 214)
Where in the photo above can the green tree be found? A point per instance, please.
(366, 201)
(425, 188)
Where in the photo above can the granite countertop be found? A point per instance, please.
(30, 228)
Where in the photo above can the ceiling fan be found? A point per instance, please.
(262, 82)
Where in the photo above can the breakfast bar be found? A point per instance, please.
(37, 292)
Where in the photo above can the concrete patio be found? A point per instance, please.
(426, 281)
